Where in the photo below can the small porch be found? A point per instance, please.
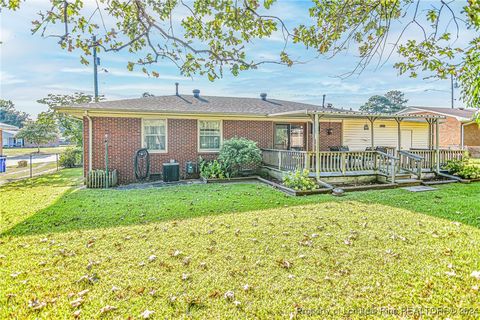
(393, 163)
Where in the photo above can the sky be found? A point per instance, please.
(31, 67)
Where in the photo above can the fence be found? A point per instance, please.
(28, 166)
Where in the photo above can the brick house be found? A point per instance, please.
(459, 128)
(186, 127)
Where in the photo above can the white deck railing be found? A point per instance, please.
(343, 162)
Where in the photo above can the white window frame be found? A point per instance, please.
(199, 149)
(166, 135)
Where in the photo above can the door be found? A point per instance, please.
(406, 139)
(289, 136)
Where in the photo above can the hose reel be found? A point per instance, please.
(142, 164)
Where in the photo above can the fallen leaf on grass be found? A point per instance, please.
(77, 302)
(229, 295)
(107, 309)
(146, 314)
(152, 258)
(76, 314)
(285, 264)
(35, 304)
(475, 274)
(176, 253)
(82, 293)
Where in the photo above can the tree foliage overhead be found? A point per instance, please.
(213, 36)
(70, 127)
(9, 115)
(393, 101)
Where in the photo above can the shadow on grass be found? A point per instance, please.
(90, 209)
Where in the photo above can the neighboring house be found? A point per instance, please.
(186, 127)
(9, 136)
(458, 130)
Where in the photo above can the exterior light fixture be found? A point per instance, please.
(365, 127)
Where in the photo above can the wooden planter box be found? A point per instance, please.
(236, 179)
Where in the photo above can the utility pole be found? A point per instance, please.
(95, 63)
(451, 83)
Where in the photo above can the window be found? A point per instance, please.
(209, 135)
(155, 135)
(289, 136)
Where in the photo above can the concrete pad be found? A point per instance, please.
(419, 188)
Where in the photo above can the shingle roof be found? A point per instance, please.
(466, 114)
(203, 104)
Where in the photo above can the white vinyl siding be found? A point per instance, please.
(356, 138)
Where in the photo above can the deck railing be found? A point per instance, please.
(342, 162)
(412, 163)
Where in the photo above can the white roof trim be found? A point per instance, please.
(420, 109)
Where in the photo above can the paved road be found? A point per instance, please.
(36, 158)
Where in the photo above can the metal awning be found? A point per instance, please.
(353, 115)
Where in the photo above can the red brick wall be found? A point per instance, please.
(472, 135)
(450, 131)
(124, 136)
(182, 142)
(326, 141)
(260, 131)
(123, 141)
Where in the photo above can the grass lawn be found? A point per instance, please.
(234, 251)
(14, 152)
(14, 173)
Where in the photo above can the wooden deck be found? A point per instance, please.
(360, 163)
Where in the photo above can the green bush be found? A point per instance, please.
(213, 170)
(463, 169)
(299, 180)
(239, 153)
(71, 158)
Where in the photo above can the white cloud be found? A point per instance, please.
(9, 79)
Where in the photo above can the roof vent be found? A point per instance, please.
(461, 108)
(176, 88)
(263, 96)
(329, 105)
(196, 93)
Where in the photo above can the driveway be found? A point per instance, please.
(36, 158)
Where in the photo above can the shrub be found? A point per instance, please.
(454, 166)
(299, 180)
(239, 153)
(463, 169)
(469, 172)
(213, 170)
(70, 158)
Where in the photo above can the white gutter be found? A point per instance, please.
(90, 134)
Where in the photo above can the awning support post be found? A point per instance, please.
(316, 132)
(437, 146)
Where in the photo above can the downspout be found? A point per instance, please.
(462, 135)
(90, 134)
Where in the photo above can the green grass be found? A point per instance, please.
(14, 173)
(14, 152)
(380, 248)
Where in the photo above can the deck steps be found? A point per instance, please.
(409, 182)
